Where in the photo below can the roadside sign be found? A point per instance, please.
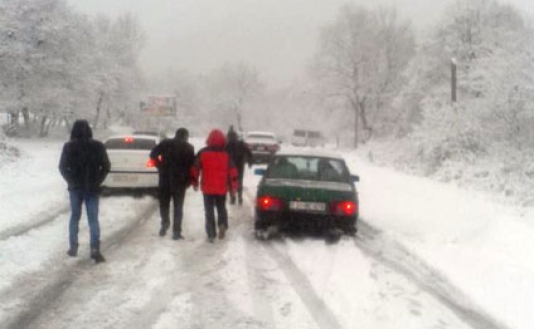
(159, 106)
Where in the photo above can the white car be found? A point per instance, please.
(132, 170)
(311, 138)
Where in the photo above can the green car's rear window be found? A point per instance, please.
(308, 168)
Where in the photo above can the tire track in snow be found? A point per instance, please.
(318, 309)
(398, 258)
(323, 316)
(180, 284)
(44, 217)
(207, 282)
(202, 283)
(199, 284)
(118, 287)
(55, 284)
(197, 279)
(261, 305)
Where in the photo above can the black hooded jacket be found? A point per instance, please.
(174, 158)
(239, 152)
(84, 162)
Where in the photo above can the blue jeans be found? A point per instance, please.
(77, 198)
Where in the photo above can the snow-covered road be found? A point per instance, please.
(153, 282)
(375, 281)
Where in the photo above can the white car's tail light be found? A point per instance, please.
(150, 163)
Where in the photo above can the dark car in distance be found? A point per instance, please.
(306, 192)
(263, 146)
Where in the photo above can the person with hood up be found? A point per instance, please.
(84, 164)
(218, 176)
(240, 154)
(174, 158)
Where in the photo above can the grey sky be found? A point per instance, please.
(276, 36)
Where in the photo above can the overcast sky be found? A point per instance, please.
(278, 37)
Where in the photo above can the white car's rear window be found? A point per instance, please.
(130, 143)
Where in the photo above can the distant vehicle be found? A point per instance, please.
(306, 192)
(262, 145)
(311, 138)
(132, 170)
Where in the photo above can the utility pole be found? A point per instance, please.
(453, 80)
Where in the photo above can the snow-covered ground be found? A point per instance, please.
(428, 255)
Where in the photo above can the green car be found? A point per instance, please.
(306, 192)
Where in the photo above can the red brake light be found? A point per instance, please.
(268, 203)
(150, 163)
(273, 147)
(344, 208)
(128, 140)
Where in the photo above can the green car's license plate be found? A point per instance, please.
(307, 206)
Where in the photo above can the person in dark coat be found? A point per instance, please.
(174, 158)
(84, 164)
(240, 154)
(219, 175)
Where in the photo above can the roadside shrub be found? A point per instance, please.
(447, 133)
(8, 152)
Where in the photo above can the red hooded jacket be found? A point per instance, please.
(215, 165)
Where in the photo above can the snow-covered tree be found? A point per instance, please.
(116, 76)
(493, 46)
(361, 59)
(55, 62)
(35, 55)
(233, 87)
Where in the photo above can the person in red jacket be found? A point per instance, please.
(218, 176)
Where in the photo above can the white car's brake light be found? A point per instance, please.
(150, 163)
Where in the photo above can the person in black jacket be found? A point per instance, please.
(174, 158)
(84, 164)
(240, 154)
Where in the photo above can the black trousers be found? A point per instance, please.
(240, 174)
(212, 202)
(178, 196)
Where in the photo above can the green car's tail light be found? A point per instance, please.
(269, 203)
(344, 208)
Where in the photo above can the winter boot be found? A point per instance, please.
(222, 231)
(73, 251)
(162, 231)
(96, 255)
